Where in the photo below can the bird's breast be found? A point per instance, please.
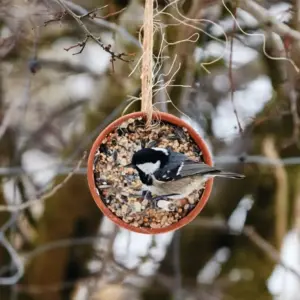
(184, 187)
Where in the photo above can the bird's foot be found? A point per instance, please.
(148, 196)
(154, 200)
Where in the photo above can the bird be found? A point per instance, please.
(169, 174)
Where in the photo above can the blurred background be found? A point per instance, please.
(69, 68)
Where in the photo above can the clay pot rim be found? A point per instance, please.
(106, 211)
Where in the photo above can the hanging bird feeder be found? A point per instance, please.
(117, 189)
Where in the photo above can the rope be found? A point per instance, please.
(147, 62)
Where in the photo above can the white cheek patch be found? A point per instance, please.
(149, 168)
(165, 151)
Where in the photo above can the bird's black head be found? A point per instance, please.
(147, 161)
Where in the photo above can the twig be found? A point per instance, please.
(267, 248)
(80, 44)
(251, 159)
(262, 16)
(112, 14)
(8, 224)
(92, 14)
(281, 193)
(16, 261)
(14, 106)
(41, 289)
(52, 118)
(63, 243)
(57, 17)
(49, 194)
(112, 26)
(17, 103)
(254, 237)
(232, 89)
(114, 56)
(267, 22)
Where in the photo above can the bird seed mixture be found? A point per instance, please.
(120, 188)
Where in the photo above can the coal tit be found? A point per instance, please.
(170, 174)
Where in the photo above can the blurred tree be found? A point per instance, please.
(56, 103)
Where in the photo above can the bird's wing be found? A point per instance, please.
(180, 166)
(190, 168)
(170, 172)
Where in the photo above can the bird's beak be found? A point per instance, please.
(129, 166)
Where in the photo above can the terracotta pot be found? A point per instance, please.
(173, 120)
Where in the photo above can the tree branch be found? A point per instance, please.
(49, 194)
(264, 17)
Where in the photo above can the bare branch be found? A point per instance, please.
(18, 264)
(111, 14)
(57, 17)
(232, 85)
(49, 194)
(262, 15)
(78, 19)
(248, 231)
(80, 44)
(281, 192)
(109, 25)
(93, 13)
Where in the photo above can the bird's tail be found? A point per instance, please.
(229, 175)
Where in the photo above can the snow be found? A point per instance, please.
(95, 58)
(213, 267)
(248, 103)
(283, 284)
(221, 83)
(282, 11)
(80, 86)
(241, 54)
(130, 247)
(42, 167)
